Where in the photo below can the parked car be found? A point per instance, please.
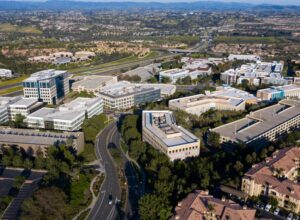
(296, 217)
(262, 206)
(268, 207)
(277, 210)
(290, 216)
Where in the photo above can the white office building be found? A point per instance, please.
(94, 83)
(246, 57)
(67, 117)
(4, 106)
(279, 92)
(49, 86)
(161, 131)
(5, 73)
(125, 95)
(173, 74)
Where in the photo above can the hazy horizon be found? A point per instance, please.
(273, 2)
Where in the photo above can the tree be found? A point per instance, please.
(17, 161)
(28, 164)
(165, 80)
(19, 121)
(213, 139)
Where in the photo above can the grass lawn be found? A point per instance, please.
(249, 39)
(13, 81)
(10, 90)
(6, 27)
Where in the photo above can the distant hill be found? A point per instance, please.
(77, 5)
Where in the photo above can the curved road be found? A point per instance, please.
(110, 187)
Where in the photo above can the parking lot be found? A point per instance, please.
(6, 181)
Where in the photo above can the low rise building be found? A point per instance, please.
(166, 90)
(67, 117)
(94, 83)
(198, 104)
(173, 74)
(200, 205)
(276, 177)
(33, 140)
(4, 107)
(160, 131)
(279, 92)
(24, 107)
(246, 57)
(49, 86)
(5, 73)
(125, 95)
(262, 126)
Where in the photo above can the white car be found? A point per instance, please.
(276, 212)
(268, 207)
(296, 218)
(290, 216)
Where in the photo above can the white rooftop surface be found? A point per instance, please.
(260, 121)
(25, 102)
(164, 88)
(200, 99)
(5, 70)
(174, 71)
(44, 74)
(228, 91)
(67, 111)
(281, 88)
(166, 125)
(122, 88)
(92, 82)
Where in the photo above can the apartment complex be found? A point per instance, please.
(263, 125)
(12, 106)
(200, 205)
(48, 86)
(125, 95)
(279, 92)
(160, 131)
(276, 177)
(5, 73)
(198, 104)
(93, 84)
(67, 117)
(33, 140)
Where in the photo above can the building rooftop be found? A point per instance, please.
(259, 121)
(163, 125)
(174, 71)
(66, 111)
(280, 88)
(25, 102)
(197, 206)
(44, 74)
(93, 82)
(200, 99)
(164, 88)
(228, 91)
(123, 88)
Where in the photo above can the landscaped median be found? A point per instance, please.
(11, 90)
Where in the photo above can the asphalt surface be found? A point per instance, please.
(16, 93)
(10, 86)
(110, 187)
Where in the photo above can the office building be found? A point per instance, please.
(233, 57)
(33, 140)
(230, 92)
(200, 205)
(4, 107)
(166, 90)
(279, 92)
(24, 107)
(49, 86)
(5, 73)
(93, 84)
(276, 177)
(198, 104)
(160, 131)
(173, 74)
(67, 117)
(125, 95)
(262, 126)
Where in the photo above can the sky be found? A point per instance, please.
(273, 2)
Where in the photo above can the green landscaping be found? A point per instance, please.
(6, 27)
(13, 81)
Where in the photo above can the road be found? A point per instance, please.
(110, 186)
(10, 86)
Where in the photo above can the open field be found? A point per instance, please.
(249, 39)
(6, 27)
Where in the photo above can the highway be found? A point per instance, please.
(110, 187)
